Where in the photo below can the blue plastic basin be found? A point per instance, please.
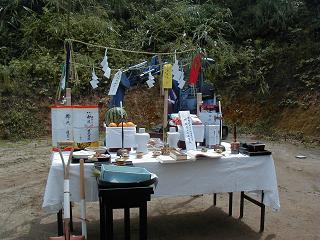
(123, 174)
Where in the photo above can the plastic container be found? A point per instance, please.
(142, 139)
(123, 174)
(173, 137)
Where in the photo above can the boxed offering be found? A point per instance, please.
(198, 131)
(76, 123)
(114, 137)
(212, 135)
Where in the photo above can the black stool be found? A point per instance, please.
(126, 198)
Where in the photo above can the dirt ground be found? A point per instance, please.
(24, 167)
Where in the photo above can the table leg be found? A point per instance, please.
(259, 204)
(109, 223)
(263, 212)
(230, 203)
(241, 204)
(71, 222)
(214, 199)
(60, 223)
(102, 220)
(127, 223)
(263, 209)
(143, 221)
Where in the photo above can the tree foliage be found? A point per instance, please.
(258, 45)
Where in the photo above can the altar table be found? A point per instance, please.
(231, 173)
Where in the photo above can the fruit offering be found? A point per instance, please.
(113, 115)
(125, 124)
(112, 124)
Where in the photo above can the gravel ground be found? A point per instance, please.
(24, 167)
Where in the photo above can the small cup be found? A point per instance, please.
(156, 153)
(139, 155)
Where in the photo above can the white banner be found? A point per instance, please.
(188, 130)
(115, 83)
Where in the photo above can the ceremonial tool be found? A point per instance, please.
(122, 151)
(66, 202)
(82, 201)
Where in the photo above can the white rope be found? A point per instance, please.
(131, 51)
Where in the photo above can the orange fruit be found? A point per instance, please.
(112, 124)
(130, 124)
(124, 124)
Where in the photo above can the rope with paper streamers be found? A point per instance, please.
(131, 51)
(117, 69)
(74, 63)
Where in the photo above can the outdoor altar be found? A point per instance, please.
(189, 158)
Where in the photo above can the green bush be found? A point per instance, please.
(20, 119)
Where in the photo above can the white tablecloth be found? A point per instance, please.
(231, 173)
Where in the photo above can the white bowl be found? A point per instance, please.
(82, 154)
(97, 149)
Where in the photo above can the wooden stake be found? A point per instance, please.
(220, 112)
(199, 102)
(165, 113)
(161, 76)
(68, 96)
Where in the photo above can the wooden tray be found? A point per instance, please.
(259, 153)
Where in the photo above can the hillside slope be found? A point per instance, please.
(266, 52)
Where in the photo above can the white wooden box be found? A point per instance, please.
(78, 123)
(209, 118)
(198, 131)
(113, 137)
(212, 135)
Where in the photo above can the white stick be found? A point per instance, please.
(66, 200)
(82, 200)
(83, 218)
(121, 109)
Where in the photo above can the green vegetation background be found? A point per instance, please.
(267, 56)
